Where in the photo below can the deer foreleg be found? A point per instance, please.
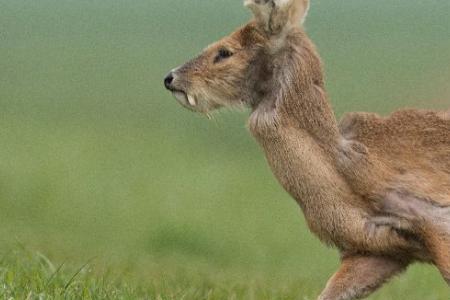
(359, 276)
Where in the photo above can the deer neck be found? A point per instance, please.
(299, 137)
(294, 97)
(297, 129)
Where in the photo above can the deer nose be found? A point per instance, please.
(168, 81)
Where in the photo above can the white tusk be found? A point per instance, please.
(191, 100)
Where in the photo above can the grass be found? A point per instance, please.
(109, 190)
(32, 275)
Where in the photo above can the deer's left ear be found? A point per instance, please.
(277, 15)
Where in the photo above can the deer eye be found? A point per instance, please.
(223, 54)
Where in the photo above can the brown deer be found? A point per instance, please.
(378, 189)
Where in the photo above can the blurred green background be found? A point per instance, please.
(98, 160)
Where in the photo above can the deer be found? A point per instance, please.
(375, 188)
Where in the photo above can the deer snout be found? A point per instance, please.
(172, 83)
(168, 80)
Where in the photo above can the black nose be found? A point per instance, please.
(168, 81)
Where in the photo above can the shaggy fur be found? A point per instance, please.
(376, 188)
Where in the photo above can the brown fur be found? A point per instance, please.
(376, 188)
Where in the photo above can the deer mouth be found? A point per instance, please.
(185, 99)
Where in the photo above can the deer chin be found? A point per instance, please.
(193, 103)
(185, 99)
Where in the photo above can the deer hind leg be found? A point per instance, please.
(359, 276)
(440, 251)
(438, 241)
(432, 225)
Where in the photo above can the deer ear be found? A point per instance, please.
(277, 15)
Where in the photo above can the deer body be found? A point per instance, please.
(305, 162)
(378, 189)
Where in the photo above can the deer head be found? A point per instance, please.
(241, 68)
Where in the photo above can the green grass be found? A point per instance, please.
(32, 275)
(99, 165)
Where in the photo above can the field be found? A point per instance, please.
(110, 190)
